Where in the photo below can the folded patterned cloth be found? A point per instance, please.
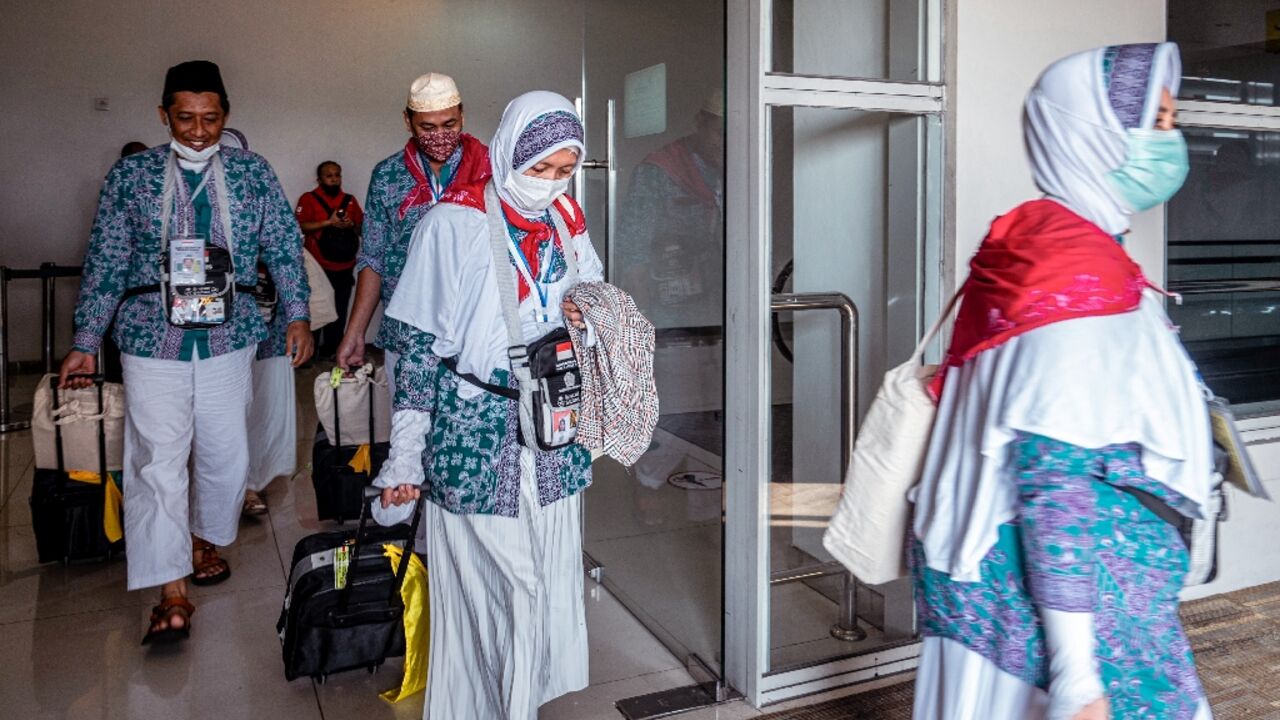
(619, 394)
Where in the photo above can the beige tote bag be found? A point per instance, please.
(323, 306)
(868, 531)
(353, 405)
(78, 417)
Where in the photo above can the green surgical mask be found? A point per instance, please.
(1155, 166)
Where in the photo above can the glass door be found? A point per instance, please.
(653, 190)
(835, 223)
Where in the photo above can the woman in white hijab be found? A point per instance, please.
(1045, 587)
(502, 526)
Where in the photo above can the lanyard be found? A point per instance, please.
(526, 272)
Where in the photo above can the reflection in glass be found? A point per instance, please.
(1224, 258)
(1227, 55)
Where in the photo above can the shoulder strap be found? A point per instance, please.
(937, 326)
(320, 199)
(452, 364)
(346, 200)
(498, 243)
(566, 240)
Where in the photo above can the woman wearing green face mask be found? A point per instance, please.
(1045, 588)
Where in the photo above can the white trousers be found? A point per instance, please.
(273, 422)
(181, 414)
(508, 624)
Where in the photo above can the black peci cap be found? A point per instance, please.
(197, 76)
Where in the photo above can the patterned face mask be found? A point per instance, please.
(438, 145)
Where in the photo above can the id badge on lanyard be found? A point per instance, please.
(189, 302)
(539, 289)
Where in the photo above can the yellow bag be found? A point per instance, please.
(416, 626)
(112, 526)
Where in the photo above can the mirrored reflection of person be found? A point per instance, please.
(671, 237)
(188, 390)
(1045, 587)
(502, 522)
(402, 189)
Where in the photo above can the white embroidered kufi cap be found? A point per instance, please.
(431, 92)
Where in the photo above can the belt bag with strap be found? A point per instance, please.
(548, 378)
(182, 301)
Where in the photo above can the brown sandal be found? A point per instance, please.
(170, 606)
(212, 569)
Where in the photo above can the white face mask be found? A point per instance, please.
(534, 194)
(193, 157)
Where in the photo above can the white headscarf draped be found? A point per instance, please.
(520, 113)
(1076, 117)
(1089, 382)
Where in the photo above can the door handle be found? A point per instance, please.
(609, 165)
(802, 302)
(846, 625)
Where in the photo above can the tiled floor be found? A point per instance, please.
(69, 636)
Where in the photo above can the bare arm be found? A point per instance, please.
(368, 293)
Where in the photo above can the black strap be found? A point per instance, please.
(506, 392)
(346, 200)
(155, 288)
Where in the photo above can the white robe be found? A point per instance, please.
(273, 422)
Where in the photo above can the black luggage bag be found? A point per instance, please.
(324, 629)
(339, 488)
(66, 514)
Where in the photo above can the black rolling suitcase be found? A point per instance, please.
(324, 629)
(66, 514)
(339, 489)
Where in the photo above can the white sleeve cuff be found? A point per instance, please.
(404, 462)
(1074, 677)
(589, 339)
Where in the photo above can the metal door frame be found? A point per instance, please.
(751, 91)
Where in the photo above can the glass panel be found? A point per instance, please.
(1224, 257)
(875, 39)
(656, 527)
(851, 214)
(1228, 49)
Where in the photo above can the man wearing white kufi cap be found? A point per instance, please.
(403, 187)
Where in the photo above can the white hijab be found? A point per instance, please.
(1077, 115)
(1089, 382)
(520, 113)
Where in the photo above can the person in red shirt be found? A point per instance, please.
(331, 220)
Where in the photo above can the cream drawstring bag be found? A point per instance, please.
(868, 531)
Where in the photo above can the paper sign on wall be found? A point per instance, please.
(644, 102)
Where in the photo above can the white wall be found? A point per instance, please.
(308, 81)
(1001, 48)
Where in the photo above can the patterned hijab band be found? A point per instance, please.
(547, 133)
(1126, 70)
(1078, 115)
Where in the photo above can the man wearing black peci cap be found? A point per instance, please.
(179, 229)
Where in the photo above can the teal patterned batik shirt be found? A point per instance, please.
(125, 252)
(384, 243)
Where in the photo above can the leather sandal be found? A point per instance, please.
(212, 569)
(254, 504)
(161, 629)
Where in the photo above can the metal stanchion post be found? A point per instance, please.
(846, 627)
(48, 286)
(8, 419)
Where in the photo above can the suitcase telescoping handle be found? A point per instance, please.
(337, 416)
(371, 495)
(99, 380)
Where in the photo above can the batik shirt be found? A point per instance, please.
(472, 457)
(385, 235)
(1081, 544)
(125, 252)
